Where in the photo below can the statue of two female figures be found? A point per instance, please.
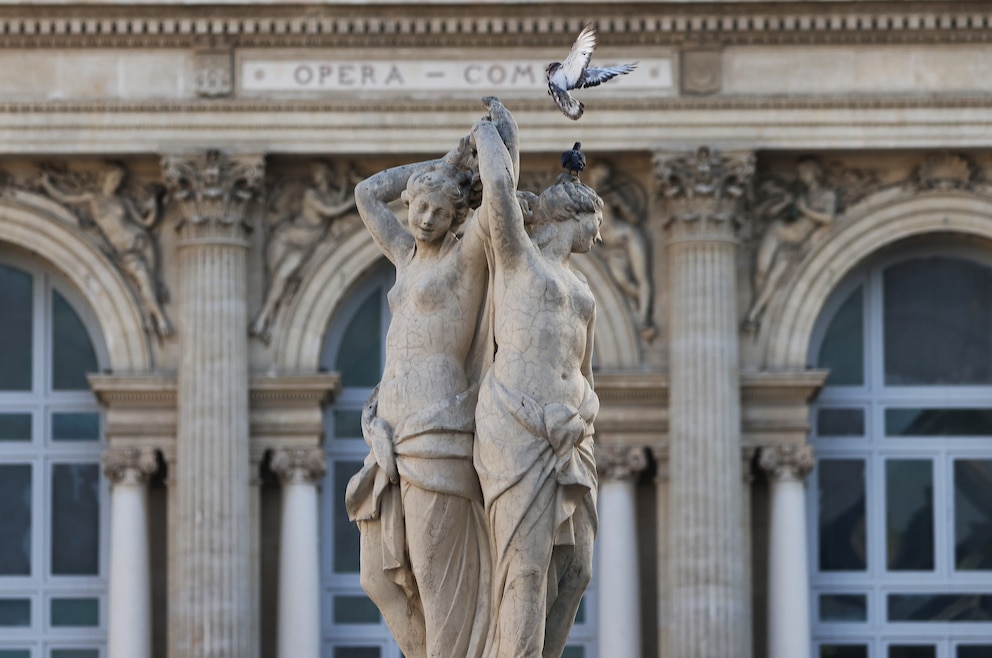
(476, 503)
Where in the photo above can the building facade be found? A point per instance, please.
(793, 349)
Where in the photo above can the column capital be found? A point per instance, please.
(299, 465)
(129, 465)
(620, 462)
(213, 190)
(787, 461)
(703, 191)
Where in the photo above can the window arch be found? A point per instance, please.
(53, 502)
(901, 531)
(352, 626)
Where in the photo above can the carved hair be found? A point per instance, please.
(565, 199)
(455, 185)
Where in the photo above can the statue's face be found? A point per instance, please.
(586, 231)
(430, 216)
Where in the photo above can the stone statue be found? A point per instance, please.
(425, 558)
(126, 229)
(798, 218)
(625, 249)
(294, 239)
(534, 445)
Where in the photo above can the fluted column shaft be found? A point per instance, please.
(129, 616)
(211, 612)
(299, 561)
(788, 575)
(707, 599)
(619, 578)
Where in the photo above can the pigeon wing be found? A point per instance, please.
(593, 77)
(579, 56)
(568, 105)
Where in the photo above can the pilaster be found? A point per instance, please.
(707, 596)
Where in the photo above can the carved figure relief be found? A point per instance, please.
(625, 249)
(123, 220)
(302, 219)
(797, 213)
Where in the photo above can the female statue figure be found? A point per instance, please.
(534, 446)
(424, 545)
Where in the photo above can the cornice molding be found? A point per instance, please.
(355, 26)
(308, 106)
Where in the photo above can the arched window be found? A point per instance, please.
(53, 503)
(352, 625)
(901, 496)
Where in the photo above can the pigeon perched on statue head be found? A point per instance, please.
(574, 160)
(575, 73)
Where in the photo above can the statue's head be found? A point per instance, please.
(809, 171)
(440, 194)
(113, 176)
(566, 200)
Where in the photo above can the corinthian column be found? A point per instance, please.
(130, 605)
(788, 578)
(707, 597)
(619, 580)
(299, 472)
(210, 613)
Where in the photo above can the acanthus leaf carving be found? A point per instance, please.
(787, 461)
(298, 465)
(620, 462)
(706, 188)
(129, 465)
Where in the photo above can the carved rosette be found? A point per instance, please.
(213, 190)
(129, 465)
(703, 192)
(299, 465)
(787, 462)
(620, 462)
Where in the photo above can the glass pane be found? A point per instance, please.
(355, 610)
(357, 652)
(943, 304)
(972, 514)
(843, 651)
(574, 652)
(76, 427)
(975, 651)
(842, 514)
(348, 424)
(15, 329)
(75, 612)
(360, 357)
(15, 653)
(15, 427)
(938, 422)
(842, 351)
(75, 519)
(346, 536)
(15, 612)
(940, 607)
(912, 651)
(75, 653)
(72, 351)
(15, 510)
(909, 514)
(840, 422)
(843, 607)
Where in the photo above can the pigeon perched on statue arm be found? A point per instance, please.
(575, 73)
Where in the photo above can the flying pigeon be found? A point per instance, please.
(575, 73)
(574, 160)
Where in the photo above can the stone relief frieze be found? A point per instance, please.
(792, 214)
(122, 219)
(625, 248)
(301, 215)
